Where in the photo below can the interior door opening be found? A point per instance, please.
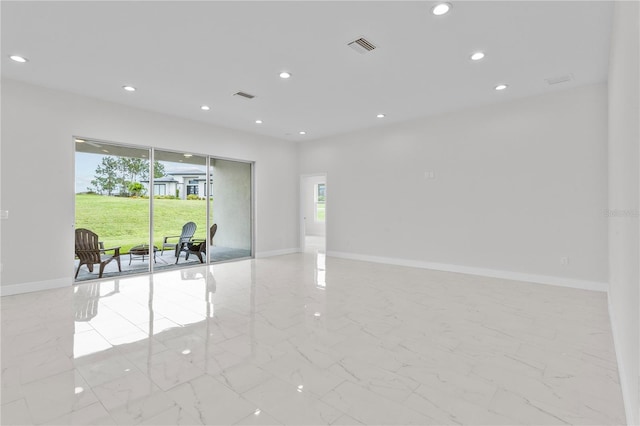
(313, 196)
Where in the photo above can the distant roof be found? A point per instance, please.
(186, 171)
(162, 179)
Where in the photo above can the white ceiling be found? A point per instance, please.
(181, 55)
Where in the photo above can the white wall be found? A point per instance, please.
(624, 187)
(38, 182)
(516, 186)
(311, 227)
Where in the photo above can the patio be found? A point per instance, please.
(164, 261)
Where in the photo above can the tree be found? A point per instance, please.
(106, 178)
(158, 170)
(133, 167)
(123, 172)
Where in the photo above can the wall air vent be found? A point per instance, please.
(244, 95)
(362, 45)
(558, 80)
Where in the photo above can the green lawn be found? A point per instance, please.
(124, 222)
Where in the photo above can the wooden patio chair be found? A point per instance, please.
(198, 247)
(188, 230)
(90, 251)
(212, 232)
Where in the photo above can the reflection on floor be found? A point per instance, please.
(303, 339)
(164, 260)
(314, 244)
(220, 254)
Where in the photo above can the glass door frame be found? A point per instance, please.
(208, 193)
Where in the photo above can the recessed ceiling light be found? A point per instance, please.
(501, 87)
(380, 115)
(477, 56)
(303, 132)
(188, 155)
(258, 121)
(104, 150)
(129, 88)
(441, 8)
(80, 140)
(285, 74)
(18, 59)
(205, 107)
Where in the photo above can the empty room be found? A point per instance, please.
(320, 212)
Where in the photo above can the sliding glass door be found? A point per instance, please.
(200, 209)
(180, 209)
(230, 210)
(111, 210)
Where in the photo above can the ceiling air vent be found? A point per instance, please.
(244, 95)
(362, 45)
(558, 80)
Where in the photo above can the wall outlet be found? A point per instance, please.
(429, 174)
(564, 260)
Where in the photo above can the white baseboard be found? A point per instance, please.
(493, 273)
(8, 290)
(623, 377)
(281, 252)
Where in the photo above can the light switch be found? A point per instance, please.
(4, 214)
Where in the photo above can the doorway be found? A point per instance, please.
(313, 206)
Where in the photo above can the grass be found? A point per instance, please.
(320, 212)
(124, 222)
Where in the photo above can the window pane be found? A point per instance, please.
(320, 202)
(159, 189)
(230, 209)
(180, 215)
(111, 202)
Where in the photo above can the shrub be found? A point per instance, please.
(192, 197)
(135, 188)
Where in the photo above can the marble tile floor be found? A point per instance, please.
(314, 244)
(303, 340)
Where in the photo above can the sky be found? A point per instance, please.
(86, 169)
